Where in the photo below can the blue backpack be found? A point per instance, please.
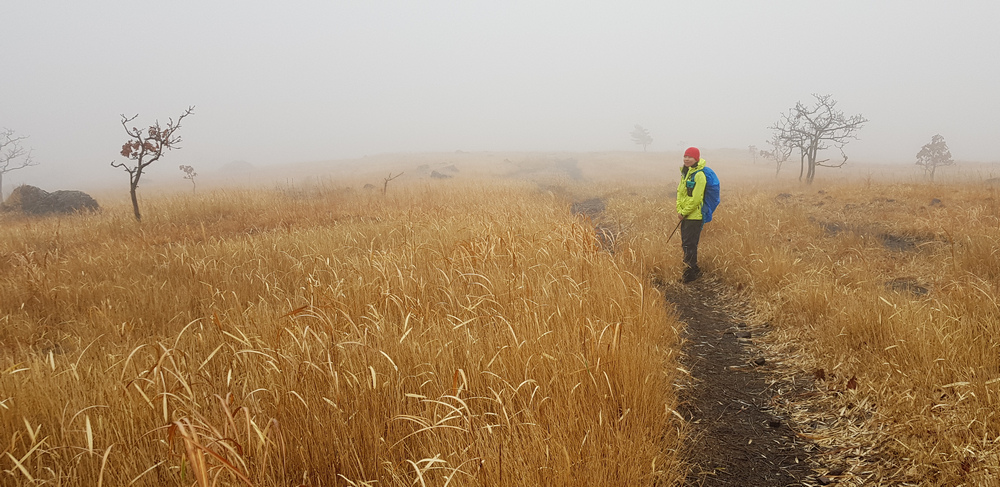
(712, 197)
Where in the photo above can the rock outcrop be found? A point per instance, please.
(31, 200)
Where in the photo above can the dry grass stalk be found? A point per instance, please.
(880, 289)
(461, 336)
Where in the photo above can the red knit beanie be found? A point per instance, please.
(693, 152)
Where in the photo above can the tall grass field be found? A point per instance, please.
(475, 332)
(454, 335)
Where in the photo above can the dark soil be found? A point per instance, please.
(607, 232)
(591, 207)
(891, 241)
(907, 285)
(738, 439)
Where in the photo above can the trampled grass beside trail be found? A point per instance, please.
(894, 286)
(475, 336)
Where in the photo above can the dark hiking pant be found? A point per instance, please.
(690, 234)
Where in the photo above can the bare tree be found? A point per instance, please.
(13, 155)
(812, 129)
(779, 153)
(641, 137)
(385, 181)
(145, 147)
(934, 155)
(190, 174)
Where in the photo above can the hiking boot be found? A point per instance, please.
(690, 275)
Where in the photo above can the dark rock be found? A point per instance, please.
(437, 175)
(743, 334)
(369, 187)
(936, 202)
(24, 196)
(759, 361)
(450, 168)
(69, 201)
(31, 200)
(774, 422)
(825, 480)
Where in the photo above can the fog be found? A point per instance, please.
(286, 82)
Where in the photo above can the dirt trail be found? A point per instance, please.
(738, 439)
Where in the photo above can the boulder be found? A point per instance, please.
(31, 200)
(24, 196)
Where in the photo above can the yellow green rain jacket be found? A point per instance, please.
(690, 206)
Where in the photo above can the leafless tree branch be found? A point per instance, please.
(146, 146)
(13, 154)
(811, 130)
(385, 184)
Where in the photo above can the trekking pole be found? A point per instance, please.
(673, 232)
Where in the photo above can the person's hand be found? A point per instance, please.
(680, 216)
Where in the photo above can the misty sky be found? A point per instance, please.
(277, 82)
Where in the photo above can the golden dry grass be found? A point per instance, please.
(475, 335)
(871, 281)
(446, 335)
(879, 283)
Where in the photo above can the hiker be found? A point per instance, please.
(697, 197)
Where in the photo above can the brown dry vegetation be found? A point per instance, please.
(477, 335)
(462, 335)
(873, 282)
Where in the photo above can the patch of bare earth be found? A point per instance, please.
(738, 437)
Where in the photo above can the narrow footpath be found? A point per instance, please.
(738, 438)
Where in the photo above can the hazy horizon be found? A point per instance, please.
(316, 81)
